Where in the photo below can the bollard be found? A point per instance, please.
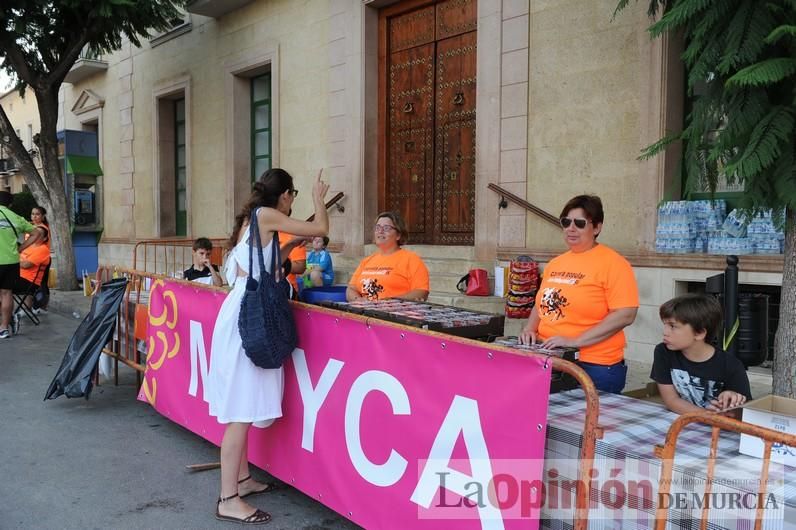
(731, 304)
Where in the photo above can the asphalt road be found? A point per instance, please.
(111, 461)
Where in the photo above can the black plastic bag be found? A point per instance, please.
(73, 378)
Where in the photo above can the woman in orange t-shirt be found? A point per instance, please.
(391, 271)
(587, 297)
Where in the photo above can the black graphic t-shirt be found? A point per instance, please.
(202, 276)
(698, 383)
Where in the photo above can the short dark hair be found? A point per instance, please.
(6, 198)
(325, 241)
(591, 204)
(399, 224)
(202, 243)
(700, 311)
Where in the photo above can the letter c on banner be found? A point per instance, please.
(157, 320)
(164, 316)
(392, 470)
(173, 322)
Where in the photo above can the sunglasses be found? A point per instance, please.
(579, 222)
(294, 193)
(383, 229)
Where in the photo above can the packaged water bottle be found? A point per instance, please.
(734, 225)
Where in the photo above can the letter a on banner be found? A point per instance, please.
(463, 417)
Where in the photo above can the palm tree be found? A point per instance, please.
(742, 126)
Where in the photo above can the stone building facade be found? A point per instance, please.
(565, 99)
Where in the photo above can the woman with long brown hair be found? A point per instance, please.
(38, 217)
(239, 393)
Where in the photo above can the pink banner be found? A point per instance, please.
(390, 426)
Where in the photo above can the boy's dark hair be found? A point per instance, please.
(202, 243)
(325, 241)
(700, 311)
(6, 198)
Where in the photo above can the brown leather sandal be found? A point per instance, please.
(269, 487)
(257, 517)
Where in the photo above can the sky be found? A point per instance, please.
(5, 81)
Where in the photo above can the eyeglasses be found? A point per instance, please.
(294, 193)
(383, 229)
(579, 222)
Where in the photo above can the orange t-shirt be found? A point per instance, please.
(382, 276)
(297, 254)
(578, 290)
(38, 255)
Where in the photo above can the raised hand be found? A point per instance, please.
(320, 188)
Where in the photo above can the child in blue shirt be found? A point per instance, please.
(319, 264)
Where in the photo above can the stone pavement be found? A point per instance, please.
(110, 461)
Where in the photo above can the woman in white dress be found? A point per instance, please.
(241, 394)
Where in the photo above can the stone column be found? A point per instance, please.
(126, 191)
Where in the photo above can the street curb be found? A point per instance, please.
(67, 303)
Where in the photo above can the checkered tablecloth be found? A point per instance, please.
(632, 429)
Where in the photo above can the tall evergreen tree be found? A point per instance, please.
(742, 127)
(39, 43)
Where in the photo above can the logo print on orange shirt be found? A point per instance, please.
(371, 288)
(568, 278)
(553, 302)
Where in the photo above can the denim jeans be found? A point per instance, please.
(609, 379)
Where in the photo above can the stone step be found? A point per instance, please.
(514, 326)
(487, 304)
(435, 251)
(440, 283)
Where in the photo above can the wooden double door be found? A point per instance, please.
(428, 119)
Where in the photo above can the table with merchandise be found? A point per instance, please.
(632, 428)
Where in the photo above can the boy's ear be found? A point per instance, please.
(701, 335)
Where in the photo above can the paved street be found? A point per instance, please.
(111, 461)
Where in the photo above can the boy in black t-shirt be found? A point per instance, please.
(202, 270)
(691, 374)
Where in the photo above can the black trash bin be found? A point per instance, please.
(752, 335)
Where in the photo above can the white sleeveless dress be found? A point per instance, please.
(237, 390)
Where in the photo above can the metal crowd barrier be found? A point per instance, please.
(591, 431)
(171, 256)
(129, 336)
(718, 422)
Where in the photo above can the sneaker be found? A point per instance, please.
(15, 325)
(4, 334)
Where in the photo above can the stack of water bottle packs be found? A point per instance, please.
(706, 227)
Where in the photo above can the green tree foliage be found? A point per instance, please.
(740, 59)
(39, 43)
(741, 54)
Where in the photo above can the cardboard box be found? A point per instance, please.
(776, 413)
(501, 281)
